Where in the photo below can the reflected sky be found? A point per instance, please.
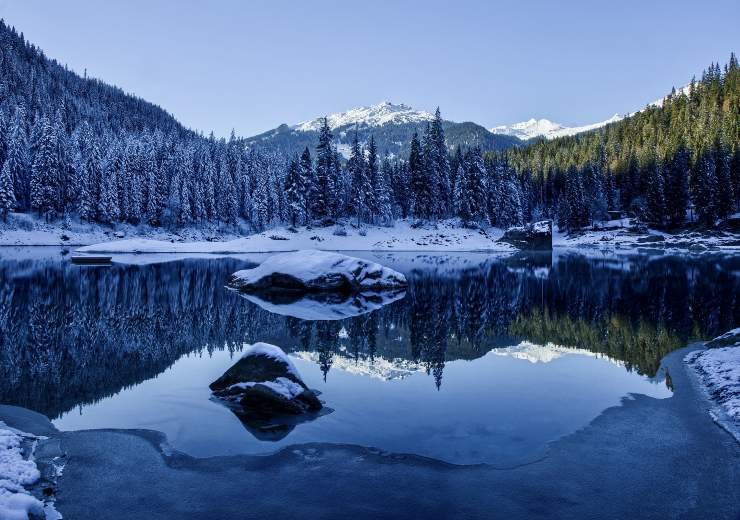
(497, 409)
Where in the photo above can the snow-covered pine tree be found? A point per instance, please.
(439, 163)
(16, 157)
(477, 185)
(7, 194)
(360, 181)
(374, 182)
(294, 190)
(383, 196)
(419, 189)
(461, 199)
(45, 172)
(324, 173)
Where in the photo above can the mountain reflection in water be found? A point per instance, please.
(71, 336)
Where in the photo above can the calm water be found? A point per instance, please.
(484, 359)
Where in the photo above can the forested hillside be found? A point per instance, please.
(76, 148)
(672, 161)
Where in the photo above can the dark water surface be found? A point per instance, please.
(484, 359)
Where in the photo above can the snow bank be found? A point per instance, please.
(718, 370)
(404, 235)
(16, 472)
(314, 270)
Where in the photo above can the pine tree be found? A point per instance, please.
(45, 172)
(461, 196)
(677, 186)
(373, 180)
(7, 194)
(655, 198)
(439, 166)
(360, 181)
(294, 191)
(704, 188)
(419, 184)
(308, 184)
(325, 173)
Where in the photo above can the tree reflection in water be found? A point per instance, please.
(71, 336)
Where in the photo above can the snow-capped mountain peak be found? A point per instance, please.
(369, 116)
(548, 129)
(528, 129)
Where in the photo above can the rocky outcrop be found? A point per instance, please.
(532, 237)
(265, 384)
(316, 271)
(728, 339)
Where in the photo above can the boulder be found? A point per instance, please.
(316, 271)
(264, 383)
(532, 237)
(728, 339)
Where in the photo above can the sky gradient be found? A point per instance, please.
(252, 65)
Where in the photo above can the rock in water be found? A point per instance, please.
(532, 237)
(265, 383)
(314, 271)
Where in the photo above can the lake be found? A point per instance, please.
(484, 359)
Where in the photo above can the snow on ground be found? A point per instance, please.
(619, 236)
(27, 230)
(321, 270)
(16, 473)
(402, 236)
(718, 370)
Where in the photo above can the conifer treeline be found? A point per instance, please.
(665, 164)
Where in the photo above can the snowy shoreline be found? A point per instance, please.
(717, 372)
(402, 236)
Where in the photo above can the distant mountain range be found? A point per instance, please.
(392, 125)
(535, 128)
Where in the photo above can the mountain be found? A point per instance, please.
(392, 126)
(548, 129)
(43, 87)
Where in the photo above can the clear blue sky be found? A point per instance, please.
(252, 65)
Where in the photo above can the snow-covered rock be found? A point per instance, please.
(532, 237)
(312, 271)
(731, 338)
(370, 116)
(548, 129)
(265, 383)
(16, 473)
(325, 306)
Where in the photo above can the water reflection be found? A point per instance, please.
(70, 336)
